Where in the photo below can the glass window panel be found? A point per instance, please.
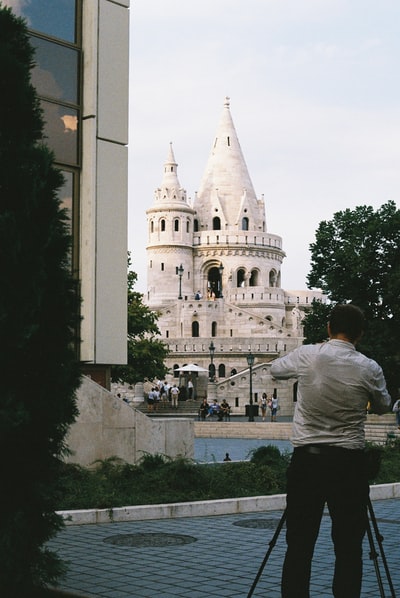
(56, 72)
(61, 131)
(53, 17)
(65, 194)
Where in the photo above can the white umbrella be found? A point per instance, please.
(191, 367)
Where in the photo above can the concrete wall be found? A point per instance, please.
(107, 427)
(104, 181)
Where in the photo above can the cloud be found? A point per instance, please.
(17, 6)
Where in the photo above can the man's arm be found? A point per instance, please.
(380, 400)
(285, 367)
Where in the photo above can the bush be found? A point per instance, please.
(39, 304)
(159, 479)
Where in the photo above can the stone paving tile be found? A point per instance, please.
(223, 561)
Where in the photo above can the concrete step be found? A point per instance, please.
(376, 433)
(267, 430)
(185, 408)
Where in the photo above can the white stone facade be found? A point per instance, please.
(214, 275)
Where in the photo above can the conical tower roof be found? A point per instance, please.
(170, 190)
(226, 187)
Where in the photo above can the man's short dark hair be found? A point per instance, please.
(347, 319)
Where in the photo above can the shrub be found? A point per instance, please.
(38, 318)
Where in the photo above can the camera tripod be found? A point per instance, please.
(373, 554)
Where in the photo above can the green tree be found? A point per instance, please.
(356, 258)
(38, 302)
(146, 353)
(315, 322)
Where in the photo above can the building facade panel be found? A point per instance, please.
(111, 243)
(113, 74)
(81, 77)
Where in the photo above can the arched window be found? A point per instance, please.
(221, 370)
(187, 226)
(253, 282)
(196, 225)
(272, 278)
(176, 373)
(152, 226)
(216, 223)
(233, 372)
(176, 225)
(214, 329)
(211, 371)
(195, 329)
(240, 277)
(245, 223)
(162, 225)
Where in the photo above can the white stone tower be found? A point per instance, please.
(214, 275)
(170, 234)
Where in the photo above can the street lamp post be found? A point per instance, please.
(220, 270)
(211, 390)
(250, 363)
(180, 271)
(211, 348)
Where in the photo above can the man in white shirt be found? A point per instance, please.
(335, 384)
(174, 396)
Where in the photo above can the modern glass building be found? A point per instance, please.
(81, 76)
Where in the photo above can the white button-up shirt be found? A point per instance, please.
(335, 384)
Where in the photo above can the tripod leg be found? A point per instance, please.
(271, 546)
(373, 555)
(379, 539)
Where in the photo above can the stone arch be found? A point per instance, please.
(273, 278)
(214, 282)
(241, 277)
(195, 329)
(254, 280)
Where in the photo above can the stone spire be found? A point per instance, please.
(170, 190)
(226, 190)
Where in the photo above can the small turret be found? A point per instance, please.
(170, 238)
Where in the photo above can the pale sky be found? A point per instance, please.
(315, 99)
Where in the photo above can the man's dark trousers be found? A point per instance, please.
(320, 474)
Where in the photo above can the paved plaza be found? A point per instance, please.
(206, 557)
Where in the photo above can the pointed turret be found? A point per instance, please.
(226, 192)
(170, 190)
(170, 237)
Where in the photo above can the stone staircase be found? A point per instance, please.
(242, 429)
(381, 429)
(185, 409)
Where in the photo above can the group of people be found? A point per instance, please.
(269, 403)
(161, 394)
(221, 410)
